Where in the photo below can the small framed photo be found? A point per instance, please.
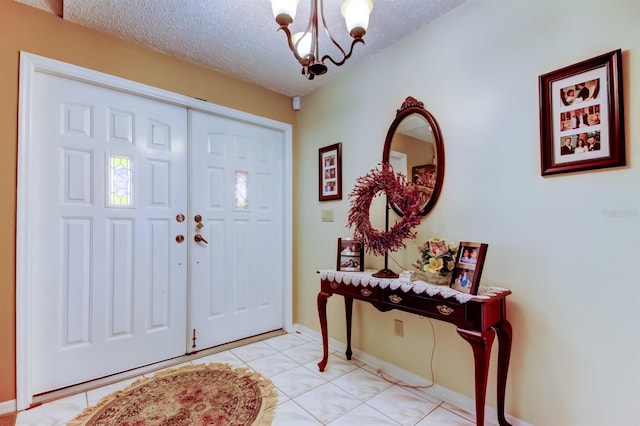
(350, 255)
(582, 116)
(330, 172)
(468, 269)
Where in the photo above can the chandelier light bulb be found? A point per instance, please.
(302, 42)
(356, 15)
(284, 10)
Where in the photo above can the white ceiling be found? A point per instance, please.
(240, 37)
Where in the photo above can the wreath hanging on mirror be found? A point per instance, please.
(404, 195)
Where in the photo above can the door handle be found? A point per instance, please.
(200, 239)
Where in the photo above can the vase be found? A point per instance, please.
(435, 279)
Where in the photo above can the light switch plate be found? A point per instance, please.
(327, 215)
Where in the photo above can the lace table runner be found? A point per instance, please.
(365, 279)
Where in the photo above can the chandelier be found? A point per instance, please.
(304, 45)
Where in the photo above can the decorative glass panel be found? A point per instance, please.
(120, 181)
(241, 190)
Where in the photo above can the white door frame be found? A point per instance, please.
(31, 64)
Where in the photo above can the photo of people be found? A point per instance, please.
(350, 248)
(580, 118)
(330, 160)
(469, 255)
(349, 264)
(580, 143)
(330, 187)
(580, 92)
(330, 173)
(462, 280)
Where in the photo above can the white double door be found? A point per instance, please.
(153, 231)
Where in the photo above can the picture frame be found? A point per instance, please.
(582, 116)
(330, 172)
(350, 255)
(468, 269)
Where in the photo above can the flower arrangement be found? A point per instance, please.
(438, 259)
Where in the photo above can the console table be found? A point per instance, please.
(478, 318)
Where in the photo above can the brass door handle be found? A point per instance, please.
(200, 239)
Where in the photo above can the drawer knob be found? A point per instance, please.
(365, 292)
(444, 309)
(395, 298)
(334, 285)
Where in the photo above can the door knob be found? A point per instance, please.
(200, 239)
(179, 238)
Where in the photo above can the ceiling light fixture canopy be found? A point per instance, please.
(304, 45)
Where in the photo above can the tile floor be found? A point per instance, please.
(347, 393)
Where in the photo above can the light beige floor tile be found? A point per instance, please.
(361, 384)
(284, 342)
(326, 402)
(306, 353)
(273, 364)
(54, 413)
(291, 414)
(363, 415)
(401, 405)
(253, 351)
(335, 367)
(297, 381)
(443, 417)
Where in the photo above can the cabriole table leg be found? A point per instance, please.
(481, 345)
(322, 313)
(503, 330)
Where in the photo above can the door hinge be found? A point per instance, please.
(193, 339)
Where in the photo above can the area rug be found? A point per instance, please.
(211, 394)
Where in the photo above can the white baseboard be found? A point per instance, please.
(445, 394)
(8, 407)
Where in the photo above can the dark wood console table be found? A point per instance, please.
(478, 320)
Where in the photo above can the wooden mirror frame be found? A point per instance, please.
(413, 106)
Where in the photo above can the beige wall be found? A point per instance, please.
(23, 28)
(567, 246)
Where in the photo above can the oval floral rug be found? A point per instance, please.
(211, 394)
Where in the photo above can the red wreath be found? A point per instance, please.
(399, 192)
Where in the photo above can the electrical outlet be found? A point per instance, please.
(398, 328)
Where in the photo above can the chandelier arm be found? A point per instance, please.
(345, 57)
(304, 60)
(326, 30)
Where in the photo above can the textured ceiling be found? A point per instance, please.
(239, 37)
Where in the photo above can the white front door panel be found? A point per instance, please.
(236, 187)
(110, 171)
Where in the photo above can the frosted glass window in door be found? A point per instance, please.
(241, 190)
(120, 181)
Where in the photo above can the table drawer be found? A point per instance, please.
(427, 306)
(359, 292)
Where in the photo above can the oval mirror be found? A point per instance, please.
(414, 147)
